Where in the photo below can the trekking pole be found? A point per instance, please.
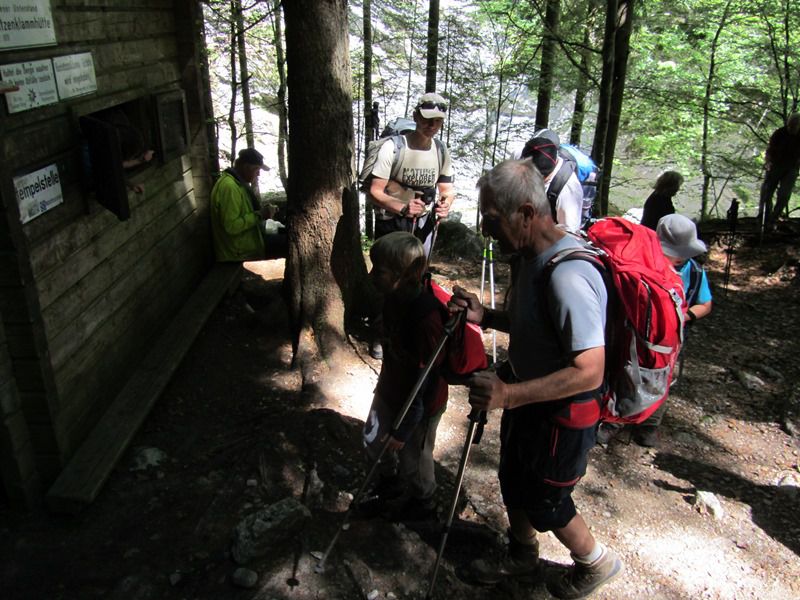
(485, 254)
(477, 419)
(435, 232)
(491, 299)
(452, 324)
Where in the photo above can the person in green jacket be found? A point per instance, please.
(236, 213)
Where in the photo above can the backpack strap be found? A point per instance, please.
(695, 278)
(557, 184)
(399, 142)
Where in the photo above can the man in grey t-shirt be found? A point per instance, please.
(556, 322)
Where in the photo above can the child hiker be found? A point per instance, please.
(413, 327)
(679, 242)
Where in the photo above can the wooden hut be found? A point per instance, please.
(101, 250)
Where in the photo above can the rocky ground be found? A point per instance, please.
(235, 435)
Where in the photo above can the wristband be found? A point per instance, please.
(692, 316)
(404, 211)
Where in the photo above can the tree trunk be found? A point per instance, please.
(433, 46)
(244, 74)
(604, 103)
(622, 45)
(712, 65)
(280, 60)
(234, 84)
(582, 87)
(325, 270)
(549, 41)
(410, 57)
(370, 123)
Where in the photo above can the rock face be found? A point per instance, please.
(258, 532)
(457, 240)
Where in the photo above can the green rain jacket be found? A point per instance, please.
(235, 226)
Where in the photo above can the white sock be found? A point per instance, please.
(595, 554)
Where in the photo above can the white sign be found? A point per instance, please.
(75, 75)
(37, 86)
(25, 23)
(38, 192)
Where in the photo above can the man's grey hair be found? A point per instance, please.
(514, 183)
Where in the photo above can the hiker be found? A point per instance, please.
(659, 203)
(781, 165)
(542, 149)
(678, 237)
(556, 362)
(403, 203)
(237, 217)
(414, 325)
(426, 169)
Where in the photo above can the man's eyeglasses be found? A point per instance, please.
(431, 105)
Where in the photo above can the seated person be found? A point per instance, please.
(237, 217)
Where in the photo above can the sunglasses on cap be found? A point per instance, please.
(431, 105)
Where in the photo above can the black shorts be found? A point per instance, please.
(540, 463)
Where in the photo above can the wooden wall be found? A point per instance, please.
(82, 294)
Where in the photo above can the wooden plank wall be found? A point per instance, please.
(98, 290)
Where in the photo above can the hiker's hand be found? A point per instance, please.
(464, 300)
(415, 207)
(442, 208)
(394, 444)
(487, 392)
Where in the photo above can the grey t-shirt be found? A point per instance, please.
(545, 331)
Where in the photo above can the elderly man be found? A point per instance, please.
(550, 391)
(237, 215)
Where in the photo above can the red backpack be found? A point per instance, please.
(644, 327)
(466, 352)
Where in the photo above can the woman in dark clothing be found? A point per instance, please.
(659, 203)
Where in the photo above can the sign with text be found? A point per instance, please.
(37, 86)
(25, 23)
(75, 75)
(38, 192)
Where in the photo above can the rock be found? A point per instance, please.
(751, 382)
(457, 240)
(252, 483)
(244, 578)
(147, 457)
(373, 594)
(134, 587)
(706, 502)
(258, 532)
(175, 578)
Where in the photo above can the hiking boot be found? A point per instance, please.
(518, 560)
(582, 579)
(376, 350)
(607, 432)
(646, 435)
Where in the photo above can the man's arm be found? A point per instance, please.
(393, 204)
(584, 374)
(233, 219)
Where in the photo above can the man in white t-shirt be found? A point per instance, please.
(543, 151)
(404, 200)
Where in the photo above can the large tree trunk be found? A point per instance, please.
(549, 41)
(371, 117)
(281, 96)
(325, 270)
(622, 45)
(433, 46)
(604, 103)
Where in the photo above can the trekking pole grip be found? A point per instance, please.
(478, 417)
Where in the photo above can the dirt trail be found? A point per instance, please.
(238, 433)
